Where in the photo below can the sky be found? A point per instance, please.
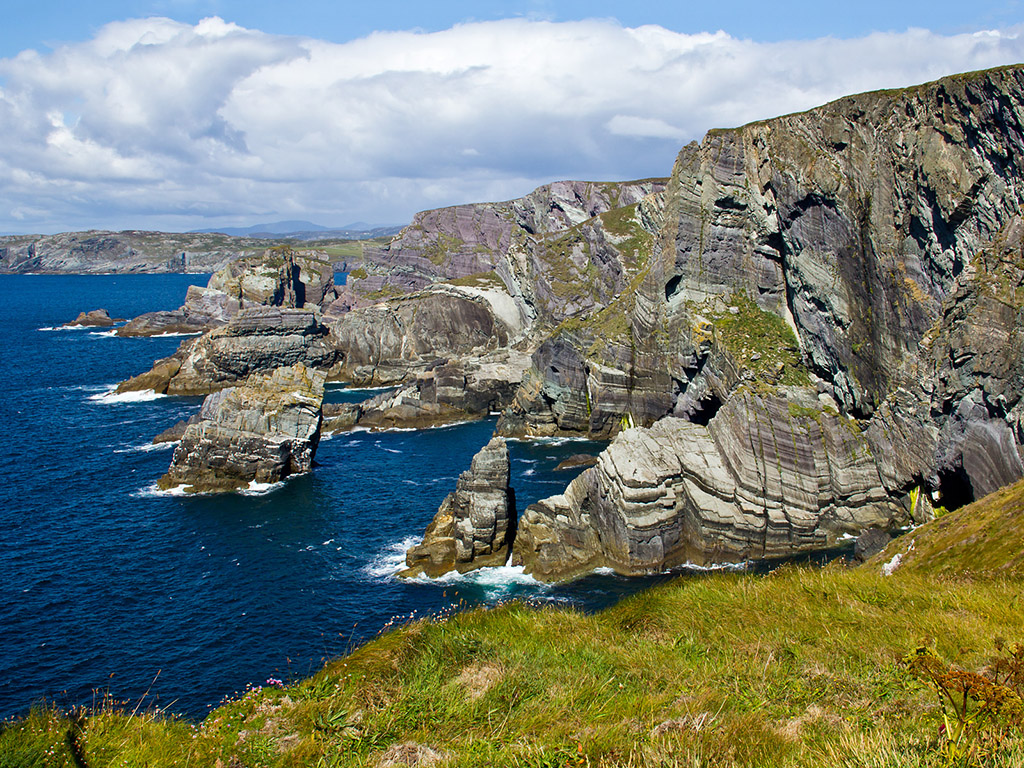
(186, 114)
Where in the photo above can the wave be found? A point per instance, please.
(261, 489)
(154, 491)
(386, 565)
(111, 397)
(48, 328)
(147, 447)
(496, 582)
(107, 334)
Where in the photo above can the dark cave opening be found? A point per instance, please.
(706, 410)
(672, 286)
(955, 489)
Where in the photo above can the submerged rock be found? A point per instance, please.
(475, 524)
(263, 431)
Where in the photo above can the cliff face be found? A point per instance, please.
(885, 231)
(547, 249)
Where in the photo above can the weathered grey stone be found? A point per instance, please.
(255, 340)
(263, 431)
(870, 543)
(771, 475)
(475, 524)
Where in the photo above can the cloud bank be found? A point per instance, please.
(158, 124)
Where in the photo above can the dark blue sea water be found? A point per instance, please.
(106, 585)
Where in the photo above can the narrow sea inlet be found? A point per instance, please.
(111, 587)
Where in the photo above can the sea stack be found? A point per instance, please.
(262, 431)
(475, 524)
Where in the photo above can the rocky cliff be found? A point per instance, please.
(261, 431)
(99, 252)
(827, 325)
(278, 277)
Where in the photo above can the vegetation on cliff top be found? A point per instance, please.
(804, 667)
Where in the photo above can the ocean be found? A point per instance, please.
(110, 588)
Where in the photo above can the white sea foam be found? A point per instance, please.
(110, 397)
(108, 334)
(147, 447)
(529, 472)
(154, 491)
(260, 489)
(386, 565)
(62, 328)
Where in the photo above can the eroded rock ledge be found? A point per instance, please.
(262, 431)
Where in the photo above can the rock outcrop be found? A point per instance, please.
(394, 340)
(96, 318)
(280, 277)
(255, 340)
(566, 248)
(475, 524)
(262, 431)
(448, 392)
(771, 475)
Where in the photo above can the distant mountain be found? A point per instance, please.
(305, 230)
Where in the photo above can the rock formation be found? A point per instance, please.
(262, 431)
(279, 277)
(255, 340)
(450, 391)
(96, 318)
(475, 524)
(812, 327)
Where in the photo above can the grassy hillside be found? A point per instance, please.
(800, 668)
(984, 539)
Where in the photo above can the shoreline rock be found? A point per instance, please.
(475, 525)
(96, 318)
(262, 431)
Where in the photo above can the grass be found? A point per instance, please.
(759, 340)
(982, 539)
(800, 668)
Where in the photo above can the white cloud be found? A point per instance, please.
(644, 127)
(155, 123)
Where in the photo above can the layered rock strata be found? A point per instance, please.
(448, 392)
(255, 340)
(475, 524)
(279, 277)
(262, 431)
(770, 476)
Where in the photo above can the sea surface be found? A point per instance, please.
(110, 587)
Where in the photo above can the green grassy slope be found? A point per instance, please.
(799, 668)
(985, 539)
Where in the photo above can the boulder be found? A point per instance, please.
(475, 524)
(262, 431)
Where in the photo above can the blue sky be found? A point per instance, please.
(183, 114)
